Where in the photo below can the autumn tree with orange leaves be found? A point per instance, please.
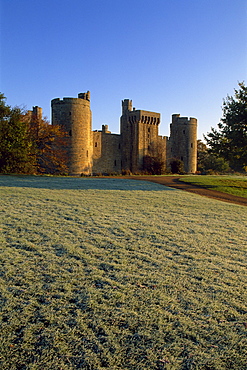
(29, 145)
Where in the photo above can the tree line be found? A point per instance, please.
(226, 146)
(31, 145)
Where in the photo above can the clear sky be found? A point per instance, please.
(168, 56)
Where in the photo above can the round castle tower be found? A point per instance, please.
(183, 141)
(74, 115)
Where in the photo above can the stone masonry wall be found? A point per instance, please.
(103, 152)
(139, 131)
(106, 152)
(74, 115)
(183, 141)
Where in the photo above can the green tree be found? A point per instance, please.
(208, 162)
(154, 163)
(28, 144)
(202, 152)
(177, 166)
(229, 141)
(16, 145)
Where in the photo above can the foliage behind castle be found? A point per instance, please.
(229, 140)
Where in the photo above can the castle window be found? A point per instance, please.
(191, 145)
(96, 144)
(182, 158)
(149, 129)
(70, 133)
(183, 131)
(119, 146)
(87, 153)
(115, 162)
(70, 113)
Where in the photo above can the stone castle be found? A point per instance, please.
(101, 152)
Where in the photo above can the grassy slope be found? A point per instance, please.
(94, 277)
(236, 185)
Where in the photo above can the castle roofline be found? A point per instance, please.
(144, 112)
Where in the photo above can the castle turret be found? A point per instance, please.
(183, 141)
(74, 115)
(35, 115)
(126, 106)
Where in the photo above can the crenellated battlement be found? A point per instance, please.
(183, 120)
(85, 96)
(70, 100)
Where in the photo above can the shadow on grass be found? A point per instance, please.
(79, 183)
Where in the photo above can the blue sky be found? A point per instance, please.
(168, 56)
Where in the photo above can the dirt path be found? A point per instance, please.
(173, 182)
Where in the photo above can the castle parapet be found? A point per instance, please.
(183, 120)
(105, 129)
(56, 100)
(85, 96)
(69, 100)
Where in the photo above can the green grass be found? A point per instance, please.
(120, 274)
(236, 185)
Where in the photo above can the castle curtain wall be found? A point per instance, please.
(103, 152)
(106, 152)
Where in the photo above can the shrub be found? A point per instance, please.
(177, 166)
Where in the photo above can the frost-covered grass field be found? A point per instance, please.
(120, 274)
